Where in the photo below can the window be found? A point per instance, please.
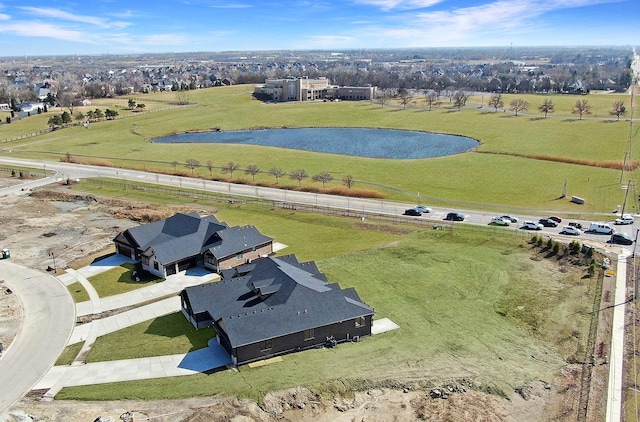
(266, 345)
(239, 256)
(309, 334)
(211, 260)
(360, 322)
(155, 265)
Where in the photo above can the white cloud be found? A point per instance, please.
(398, 4)
(231, 6)
(45, 30)
(4, 17)
(62, 15)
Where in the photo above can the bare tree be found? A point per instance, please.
(432, 100)
(519, 105)
(383, 95)
(174, 164)
(348, 181)
(460, 99)
(252, 169)
(618, 109)
(405, 97)
(323, 177)
(496, 102)
(298, 175)
(277, 173)
(210, 167)
(182, 97)
(192, 164)
(581, 107)
(547, 107)
(230, 167)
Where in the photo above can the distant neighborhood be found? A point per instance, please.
(263, 306)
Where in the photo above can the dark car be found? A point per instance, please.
(621, 239)
(412, 212)
(556, 219)
(547, 222)
(454, 216)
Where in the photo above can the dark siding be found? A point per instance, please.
(295, 342)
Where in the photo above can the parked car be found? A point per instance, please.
(531, 225)
(413, 212)
(574, 231)
(621, 239)
(556, 219)
(500, 221)
(510, 218)
(602, 228)
(455, 216)
(547, 222)
(624, 219)
(422, 209)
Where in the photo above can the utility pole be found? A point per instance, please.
(626, 194)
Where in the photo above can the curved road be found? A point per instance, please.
(48, 319)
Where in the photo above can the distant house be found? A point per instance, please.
(310, 89)
(183, 241)
(276, 306)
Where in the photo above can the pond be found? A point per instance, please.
(359, 142)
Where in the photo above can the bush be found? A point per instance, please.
(556, 248)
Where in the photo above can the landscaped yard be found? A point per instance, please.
(121, 280)
(468, 306)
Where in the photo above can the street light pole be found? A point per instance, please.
(53, 257)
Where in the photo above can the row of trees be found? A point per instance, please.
(298, 175)
(92, 116)
(459, 99)
(581, 107)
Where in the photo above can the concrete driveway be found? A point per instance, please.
(48, 320)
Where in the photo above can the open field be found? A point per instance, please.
(511, 177)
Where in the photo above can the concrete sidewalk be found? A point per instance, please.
(125, 319)
(209, 358)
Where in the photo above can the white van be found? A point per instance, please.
(601, 228)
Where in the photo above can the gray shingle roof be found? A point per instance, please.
(294, 297)
(236, 239)
(178, 237)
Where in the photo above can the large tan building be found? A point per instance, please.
(310, 89)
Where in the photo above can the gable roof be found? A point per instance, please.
(236, 239)
(176, 237)
(279, 296)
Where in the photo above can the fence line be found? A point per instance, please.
(318, 209)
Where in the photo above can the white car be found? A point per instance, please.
(500, 221)
(422, 209)
(571, 230)
(531, 225)
(510, 218)
(625, 219)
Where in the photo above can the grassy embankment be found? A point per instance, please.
(503, 174)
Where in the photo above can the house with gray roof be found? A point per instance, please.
(275, 306)
(183, 241)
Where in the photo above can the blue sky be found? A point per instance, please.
(82, 27)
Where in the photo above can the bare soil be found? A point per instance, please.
(58, 223)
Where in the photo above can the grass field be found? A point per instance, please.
(468, 306)
(501, 173)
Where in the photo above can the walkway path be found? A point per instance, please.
(616, 359)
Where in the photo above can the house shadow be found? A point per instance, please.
(176, 325)
(208, 360)
(135, 275)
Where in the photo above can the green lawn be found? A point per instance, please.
(167, 335)
(120, 280)
(468, 306)
(78, 293)
(477, 179)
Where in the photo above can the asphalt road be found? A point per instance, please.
(49, 315)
